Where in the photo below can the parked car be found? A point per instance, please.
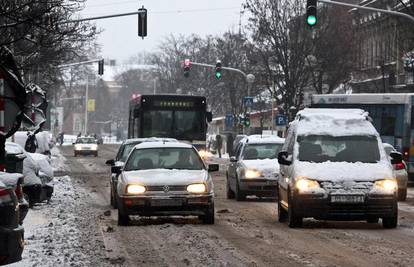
(37, 171)
(400, 171)
(85, 146)
(122, 156)
(165, 178)
(334, 167)
(11, 231)
(254, 169)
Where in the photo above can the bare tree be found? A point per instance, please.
(279, 32)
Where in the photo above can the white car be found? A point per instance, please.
(85, 146)
(254, 169)
(400, 171)
(165, 178)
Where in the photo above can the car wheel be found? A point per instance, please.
(76, 154)
(373, 220)
(239, 194)
(282, 215)
(113, 199)
(390, 222)
(96, 154)
(208, 217)
(123, 217)
(230, 193)
(402, 194)
(294, 220)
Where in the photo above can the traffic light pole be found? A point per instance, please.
(223, 68)
(390, 12)
(87, 87)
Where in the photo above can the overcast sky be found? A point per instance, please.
(119, 39)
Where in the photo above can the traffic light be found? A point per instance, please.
(101, 67)
(311, 17)
(218, 69)
(142, 22)
(186, 67)
(247, 120)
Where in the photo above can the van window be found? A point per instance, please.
(321, 148)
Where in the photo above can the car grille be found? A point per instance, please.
(347, 187)
(171, 188)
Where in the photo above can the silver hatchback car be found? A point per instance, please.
(165, 178)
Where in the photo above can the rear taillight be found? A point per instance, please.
(2, 167)
(399, 166)
(19, 191)
(4, 196)
(406, 153)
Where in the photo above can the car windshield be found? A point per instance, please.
(164, 158)
(322, 148)
(261, 151)
(85, 141)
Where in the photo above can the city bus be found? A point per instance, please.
(392, 115)
(183, 117)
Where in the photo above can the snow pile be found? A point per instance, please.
(334, 122)
(58, 161)
(52, 234)
(43, 139)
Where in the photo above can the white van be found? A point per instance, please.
(333, 166)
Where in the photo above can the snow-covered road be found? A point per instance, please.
(78, 228)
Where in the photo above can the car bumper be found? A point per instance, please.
(11, 244)
(177, 205)
(319, 207)
(259, 187)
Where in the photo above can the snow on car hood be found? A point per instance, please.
(266, 166)
(10, 179)
(343, 171)
(166, 177)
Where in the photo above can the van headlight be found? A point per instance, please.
(204, 153)
(135, 189)
(249, 174)
(304, 185)
(388, 185)
(197, 188)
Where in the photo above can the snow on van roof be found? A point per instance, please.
(257, 139)
(335, 122)
(163, 145)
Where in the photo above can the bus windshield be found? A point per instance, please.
(179, 124)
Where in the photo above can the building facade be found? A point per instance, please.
(383, 43)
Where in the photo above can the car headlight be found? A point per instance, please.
(304, 185)
(389, 185)
(95, 147)
(197, 188)
(252, 174)
(77, 147)
(135, 189)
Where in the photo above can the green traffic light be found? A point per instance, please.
(218, 75)
(311, 20)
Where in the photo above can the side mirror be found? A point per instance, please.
(233, 159)
(209, 116)
(213, 167)
(396, 157)
(283, 158)
(116, 169)
(73, 143)
(110, 162)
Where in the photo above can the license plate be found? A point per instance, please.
(166, 202)
(86, 148)
(347, 199)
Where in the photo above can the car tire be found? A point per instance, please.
(390, 222)
(402, 194)
(230, 193)
(372, 220)
(282, 214)
(123, 217)
(113, 199)
(294, 221)
(239, 194)
(75, 155)
(96, 154)
(208, 217)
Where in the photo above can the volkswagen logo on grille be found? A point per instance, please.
(166, 189)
